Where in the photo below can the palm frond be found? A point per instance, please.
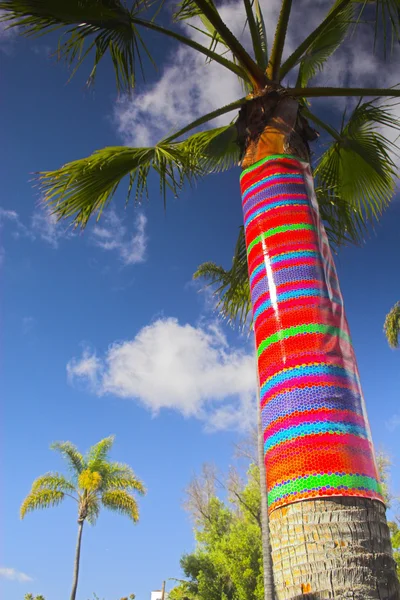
(53, 481)
(231, 287)
(93, 509)
(97, 454)
(100, 26)
(121, 476)
(344, 224)
(122, 502)
(385, 14)
(325, 43)
(187, 10)
(255, 22)
(71, 454)
(392, 326)
(220, 31)
(42, 498)
(85, 187)
(358, 167)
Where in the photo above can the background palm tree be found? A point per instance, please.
(392, 326)
(355, 178)
(94, 482)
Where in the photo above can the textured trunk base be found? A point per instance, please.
(335, 548)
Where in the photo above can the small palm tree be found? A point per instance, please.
(95, 481)
(392, 326)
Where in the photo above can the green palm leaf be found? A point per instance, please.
(93, 510)
(120, 476)
(98, 25)
(71, 454)
(53, 481)
(358, 167)
(97, 455)
(85, 187)
(232, 286)
(325, 44)
(42, 498)
(122, 502)
(385, 14)
(392, 326)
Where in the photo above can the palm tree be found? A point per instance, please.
(95, 481)
(392, 326)
(328, 528)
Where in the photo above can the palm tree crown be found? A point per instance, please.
(94, 481)
(355, 175)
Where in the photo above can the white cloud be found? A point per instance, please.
(14, 575)
(45, 225)
(113, 235)
(88, 367)
(181, 367)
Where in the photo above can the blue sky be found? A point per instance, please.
(104, 332)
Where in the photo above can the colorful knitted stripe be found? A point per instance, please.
(316, 433)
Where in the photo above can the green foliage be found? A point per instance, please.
(395, 539)
(325, 44)
(358, 166)
(384, 464)
(32, 597)
(355, 174)
(95, 481)
(101, 26)
(227, 561)
(392, 326)
(86, 186)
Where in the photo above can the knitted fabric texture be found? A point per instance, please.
(317, 441)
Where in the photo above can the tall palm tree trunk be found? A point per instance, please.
(328, 529)
(269, 593)
(77, 559)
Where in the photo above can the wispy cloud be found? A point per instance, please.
(14, 575)
(11, 217)
(181, 367)
(113, 235)
(44, 224)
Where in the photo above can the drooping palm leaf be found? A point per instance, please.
(98, 25)
(71, 454)
(42, 498)
(53, 481)
(231, 287)
(359, 167)
(120, 476)
(385, 14)
(85, 187)
(392, 326)
(122, 502)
